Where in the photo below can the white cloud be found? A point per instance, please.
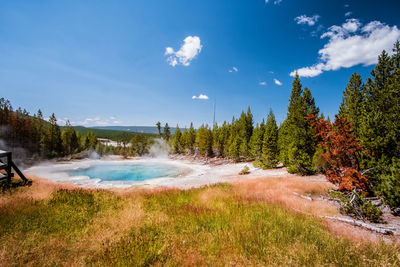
(233, 69)
(201, 96)
(263, 83)
(351, 25)
(169, 51)
(97, 121)
(303, 19)
(277, 82)
(266, 1)
(352, 44)
(348, 14)
(189, 50)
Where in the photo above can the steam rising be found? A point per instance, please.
(93, 154)
(160, 149)
(20, 157)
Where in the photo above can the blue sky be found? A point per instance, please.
(139, 62)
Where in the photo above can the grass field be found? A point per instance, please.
(51, 225)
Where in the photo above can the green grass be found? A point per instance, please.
(207, 226)
(66, 213)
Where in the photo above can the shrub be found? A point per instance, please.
(318, 162)
(356, 206)
(371, 212)
(245, 170)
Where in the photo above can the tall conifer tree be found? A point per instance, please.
(351, 106)
(270, 152)
(296, 138)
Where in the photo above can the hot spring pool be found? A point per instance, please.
(131, 172)
(107, 173)
(113, 172)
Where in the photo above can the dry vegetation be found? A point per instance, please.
(245, 223)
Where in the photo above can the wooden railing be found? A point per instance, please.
(7, 164)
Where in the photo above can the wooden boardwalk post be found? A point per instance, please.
(8, 165)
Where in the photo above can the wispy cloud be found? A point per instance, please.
(233, 69)
(84, 73)
(97, 121)
(276, 2)
(263, 83)
(189, 50)
(352, 44)
(277, 82)
(348, 14)
(201, 96)
(304, 19)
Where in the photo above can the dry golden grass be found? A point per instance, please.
(40, 189)
(219, 225)
(281, 191)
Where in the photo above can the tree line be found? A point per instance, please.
(45, 139)
(265, 143)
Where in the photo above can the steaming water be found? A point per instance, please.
(110, 172)
(123, 172)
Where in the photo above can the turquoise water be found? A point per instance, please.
(121, 172)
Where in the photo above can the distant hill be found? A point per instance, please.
(115, 135)
(133, 129)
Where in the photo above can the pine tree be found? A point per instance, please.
(69, 139)
(158, 124)
(351, 106)
(204, 141)
(296, 139)
(379, 130)
(167, 132)
(270, 152)
(234, 140)
(216, 146)
(176, 141)
(191, 139)
(89, 141)
(51, 140)
(183, 141)
(380, 127)
(139, 145)
(220, 140)
(285, 134)
(234, 147)
(243, 131)
(256, 142)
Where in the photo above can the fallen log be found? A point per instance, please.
(378, 229)
(303, 196)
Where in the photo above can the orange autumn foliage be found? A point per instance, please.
(341, 149)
